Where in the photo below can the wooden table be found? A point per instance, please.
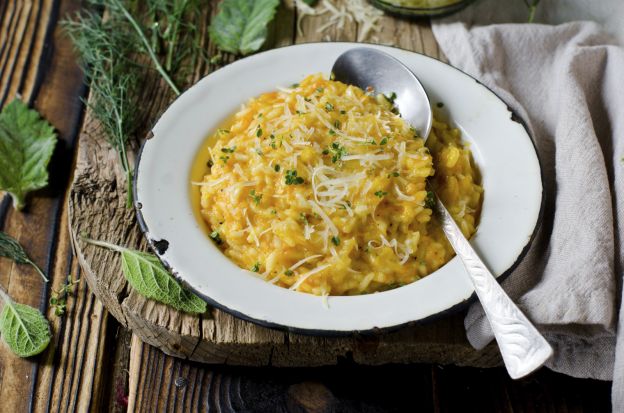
(94, 364)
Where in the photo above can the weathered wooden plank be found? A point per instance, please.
(64, 376)
(187, 386)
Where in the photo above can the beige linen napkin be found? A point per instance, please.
(567, 83)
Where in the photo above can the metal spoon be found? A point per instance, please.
(523, 348)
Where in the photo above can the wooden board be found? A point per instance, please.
(91, 364)
(97, 209)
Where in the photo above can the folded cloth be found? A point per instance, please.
(567, 83)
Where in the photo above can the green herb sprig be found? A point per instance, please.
(58, 300)
(240, 26)
(24, 329)
(10, 248)
(146, 274)
(26, 145)
(112, 52)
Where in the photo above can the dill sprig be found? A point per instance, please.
(113, 49)
(105, 51)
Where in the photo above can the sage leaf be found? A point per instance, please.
(147, 275)
(26, 145)
(240, 26)
(10, 248)
(24, 329)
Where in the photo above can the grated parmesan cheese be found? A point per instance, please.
(307, 275)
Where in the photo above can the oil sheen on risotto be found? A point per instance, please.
(321, 188)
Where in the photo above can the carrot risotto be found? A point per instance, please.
(321, 188)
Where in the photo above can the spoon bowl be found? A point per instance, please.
(369, 68)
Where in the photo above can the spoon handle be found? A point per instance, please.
(523, 348)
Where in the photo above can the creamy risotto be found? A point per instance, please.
(322, 188)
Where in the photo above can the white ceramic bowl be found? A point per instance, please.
(501, 147)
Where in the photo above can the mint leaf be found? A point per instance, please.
(10, 248)
(24, 329)
(146, 274)
(26, 145)
(240, 26)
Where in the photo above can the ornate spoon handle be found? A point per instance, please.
(523, 348)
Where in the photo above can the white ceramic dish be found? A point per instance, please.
(501, 146)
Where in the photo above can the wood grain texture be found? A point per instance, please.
(37, 63)
(175, 385)
(95, 364)
(97, 210)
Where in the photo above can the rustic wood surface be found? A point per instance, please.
(95, 363)
(97, 209)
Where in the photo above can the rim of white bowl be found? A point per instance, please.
(160, 246)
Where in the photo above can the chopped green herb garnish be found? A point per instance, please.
(273, 212)
(288, 272)
(372, 142)
(430, 200)
(303, 217)
(332, 132)
(292, 178)
(338, 151)
(256, 197)
(214, 235)
(255, 267)
(209, 164)
(391, 97)
(228, 150)
(298, 112)
(325, 151)
(384, 140)
(259, 132)
(381, 194)
(320, 89)
(295, 85)
(224, 158)
(277, 167)
(337, 124)
(329, 107)
(440, 104)
(335, 240)
(343, 112)
(395, 174)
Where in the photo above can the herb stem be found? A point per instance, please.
(148, 47)
(39, 271)
(532, 13)
(5, 297)
(103, 244)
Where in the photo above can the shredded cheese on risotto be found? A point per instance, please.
(322, 188)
